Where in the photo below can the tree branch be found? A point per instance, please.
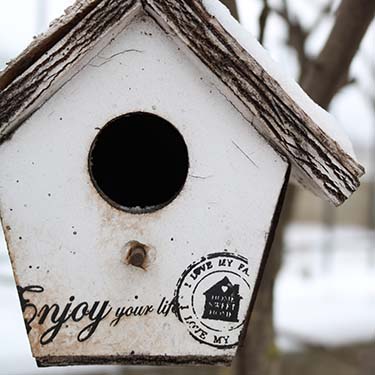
(263, 18)
(327, 73)
(232, 6)
(297, 36)
(322, 80)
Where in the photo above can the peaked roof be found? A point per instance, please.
(298, 129)
(223, 287)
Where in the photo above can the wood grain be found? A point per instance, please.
(319, 162)
(37, 83)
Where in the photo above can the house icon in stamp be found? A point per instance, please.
(222, 301)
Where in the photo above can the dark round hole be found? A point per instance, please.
(139, 162)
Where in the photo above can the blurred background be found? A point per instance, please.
(315, 313)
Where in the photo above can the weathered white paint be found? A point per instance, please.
(63, 236)
(284, 117)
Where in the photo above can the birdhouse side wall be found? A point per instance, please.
(81, 301)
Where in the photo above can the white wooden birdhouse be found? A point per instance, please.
(145, 148)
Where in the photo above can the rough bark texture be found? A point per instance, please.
(58, 29)
(34, 86)
(316, 159)
(326, 73)
(319, 162)
(259, 355)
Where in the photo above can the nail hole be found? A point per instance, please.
(137, 256)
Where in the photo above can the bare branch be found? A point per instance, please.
(263, 18)
(297, 36)
(328, 71)
(335, 58)
(232, 6)
(325, 11)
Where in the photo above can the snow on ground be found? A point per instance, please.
(325, 293)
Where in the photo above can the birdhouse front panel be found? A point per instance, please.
(137, 203)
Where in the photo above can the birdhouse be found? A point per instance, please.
(145, 147)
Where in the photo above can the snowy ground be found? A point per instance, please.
(325, 292)
(325, 295)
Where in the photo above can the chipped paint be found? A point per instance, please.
(70, 244)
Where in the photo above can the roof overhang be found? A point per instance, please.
(320, 162)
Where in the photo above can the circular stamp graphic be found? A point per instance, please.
(212, 298)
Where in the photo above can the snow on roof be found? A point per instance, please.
(320, 153)
(320, 116)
